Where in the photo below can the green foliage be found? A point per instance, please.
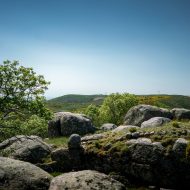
(21, 92)
(21, 97)
(115, 106)
(175, 124)
(35, 126)
(92, 112)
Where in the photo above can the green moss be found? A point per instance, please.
(133, 129)
(54, 174)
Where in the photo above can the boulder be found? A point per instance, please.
(66, 124)
(108, 126)
(85, 180)
(74, 141)
(27, 148)
(19, 175)
(124, 128)
(180, 146)
(181, 113)
(155, 122)
(138, 114)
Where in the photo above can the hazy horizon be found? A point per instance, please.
(100, 46)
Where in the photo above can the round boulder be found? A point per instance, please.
(74, 141)
(27, 148)
(138, 114)
(15, 174)
(66, 124)
(181, 113)
(108, 126)
(155, 122)
(180, 146)
(85, 180)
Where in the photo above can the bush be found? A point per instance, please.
(35, 126)
(115, 106)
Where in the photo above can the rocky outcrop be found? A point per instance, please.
(138, 114)
(85, 180)
(181, 113)
(66, 124)
(93, 137)
(19, 175)
(27, 148)
(143, 161)
(155, 122)
(108, 126)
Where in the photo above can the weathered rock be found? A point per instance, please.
(124, 128)
(66, 123)
(19, 175)
(181, 113)
(138, 114)
(74, 141)
(108, 126)
(27, 148)
(155, 122)
(92, 137)
(85, 180)
(180, 146)
(68, 159)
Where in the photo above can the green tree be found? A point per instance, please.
(115, 106)
(21, 93)
(92, 111)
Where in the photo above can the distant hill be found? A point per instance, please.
(73, 102)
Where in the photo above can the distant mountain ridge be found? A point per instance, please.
(73, 102)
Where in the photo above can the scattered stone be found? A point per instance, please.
(74, 141)
(85, 180)
(15, 174)
(155, 122)
(135, 135)
(138, 114)
(26, 148)
(108, 126)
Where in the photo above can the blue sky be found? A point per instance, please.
(100, 46)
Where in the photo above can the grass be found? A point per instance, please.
(58, 141)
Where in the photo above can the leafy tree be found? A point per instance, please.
(115, 106)
(21, 93)
(92, 111)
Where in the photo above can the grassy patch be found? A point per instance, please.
(58, 141)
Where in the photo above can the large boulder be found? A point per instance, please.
(181, 113)
(85, 180)
(138, 114)
(19, 175)
(108, 126)
(27, 148)
(66, 123)
(155, 122)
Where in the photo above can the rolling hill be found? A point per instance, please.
(73, 102)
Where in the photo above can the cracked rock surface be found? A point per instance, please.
(27, 148)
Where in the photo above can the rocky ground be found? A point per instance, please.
(151, 150)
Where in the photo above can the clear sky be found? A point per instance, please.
(100, 46)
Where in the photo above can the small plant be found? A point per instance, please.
(175, 124)
(133, 129)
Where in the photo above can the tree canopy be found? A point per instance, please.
(21, 92)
